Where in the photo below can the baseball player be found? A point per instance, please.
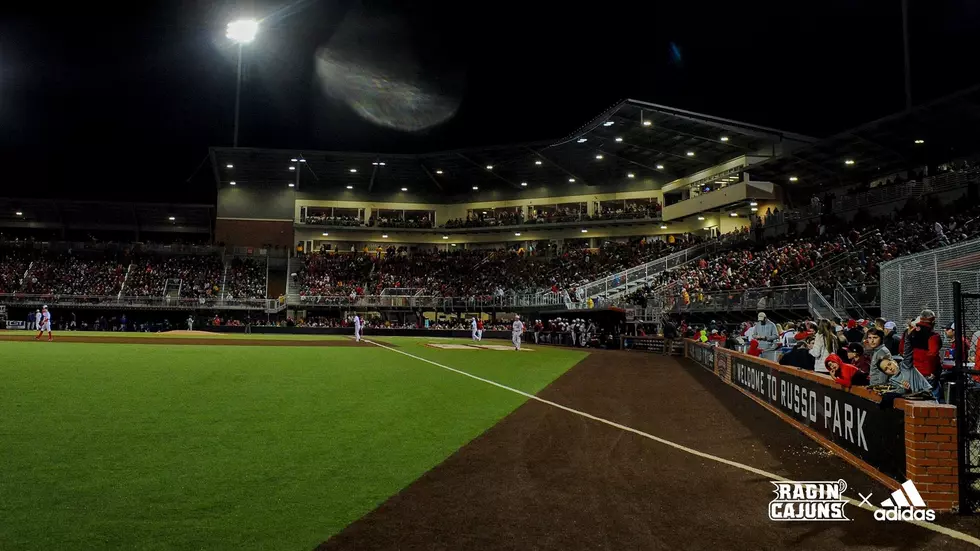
(357, 328)
(516, 329)
(37, 320)
(479, 329)
(44, 323)
(473, 329)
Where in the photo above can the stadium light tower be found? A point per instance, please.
(242, 32)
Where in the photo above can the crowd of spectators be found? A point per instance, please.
(473, 273)
(74, 275)
(247, 278)
(324, 220)
(196, 276)
(13, 266)
(422, 220)
(850, 253)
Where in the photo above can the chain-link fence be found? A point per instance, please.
(964, 392)
(922, 281)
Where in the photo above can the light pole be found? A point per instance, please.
(242, 31)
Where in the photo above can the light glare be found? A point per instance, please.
(242, 31)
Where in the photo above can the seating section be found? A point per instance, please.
(472, 273)
(104, 274)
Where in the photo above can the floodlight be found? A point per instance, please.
(242, 31)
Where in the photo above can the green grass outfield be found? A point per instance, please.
(196, 335)
(143, 446)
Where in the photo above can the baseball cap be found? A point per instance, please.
(890, 325)
(838, 328)
(951, 326)
(762, 316)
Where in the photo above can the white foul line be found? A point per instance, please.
(927, 525)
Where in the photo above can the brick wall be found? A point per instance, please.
(931, 456)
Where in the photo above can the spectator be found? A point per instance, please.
(844, 373)
(891, 340)
(800, 356)
(825, 343)
(921, 346)
(857, 357)
(765, 333)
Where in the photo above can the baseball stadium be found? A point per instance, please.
(664, 330)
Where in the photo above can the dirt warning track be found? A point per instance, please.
(544, 478)
(178, 341)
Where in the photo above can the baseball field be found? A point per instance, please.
(300, 443)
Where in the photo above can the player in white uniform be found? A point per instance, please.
(44, 323)
(37, 320)
(473, 329)
(357, 328)
(516, 330)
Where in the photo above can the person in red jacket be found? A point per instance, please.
(925, 345)
(844, 374)
(754, 349)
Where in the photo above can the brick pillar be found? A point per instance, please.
(930, 453)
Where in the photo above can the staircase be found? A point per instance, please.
(292, 292)
(620, 284)
(122, 289)
(845, 303)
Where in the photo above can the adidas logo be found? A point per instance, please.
(898, 507)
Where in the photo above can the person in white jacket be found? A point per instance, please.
(824, 345)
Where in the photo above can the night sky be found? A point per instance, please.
(117, 103)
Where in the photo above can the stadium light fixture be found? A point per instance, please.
(571, 180)
(242, 31)
(171, 218)
(325, 234)
(404, 189)
(663, 226)
(453, 244)
(476, 188)
(660, 167)
(920, 142)
(293, 160)
(647, 123)
(537, 162)
(489, 167)
(753, 204)
(229, 165)
(618, 139)
(438, 172)
(793, 178)
(517, 234)
(524, 184)
(292, 184)
(700, 217)
(582, 140)
(585, 231)
(375, 163)
(353, 170)
(445, 237)
(292, 168)
(384, 236)
(382, 163)
(302, 160)
(724, 138)
(19, 213)
(690, 153)
(231, 183)
(484, 212)
(350, 187)
(598, 157)
(733, 214)
(608, 123)
(630, 175)
(849, 162)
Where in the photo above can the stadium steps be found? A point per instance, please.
(224, 278)
(616, 286)
(122, 289)
(292, 293)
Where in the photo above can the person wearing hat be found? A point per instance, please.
(891, 340)
(950, 331)
(765, 333)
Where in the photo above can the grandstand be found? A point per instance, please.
(644, 206)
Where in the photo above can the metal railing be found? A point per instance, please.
(438, 303)
(148, 302)
(642, 273)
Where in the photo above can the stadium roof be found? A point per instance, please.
(633, 141)
(934, 132)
